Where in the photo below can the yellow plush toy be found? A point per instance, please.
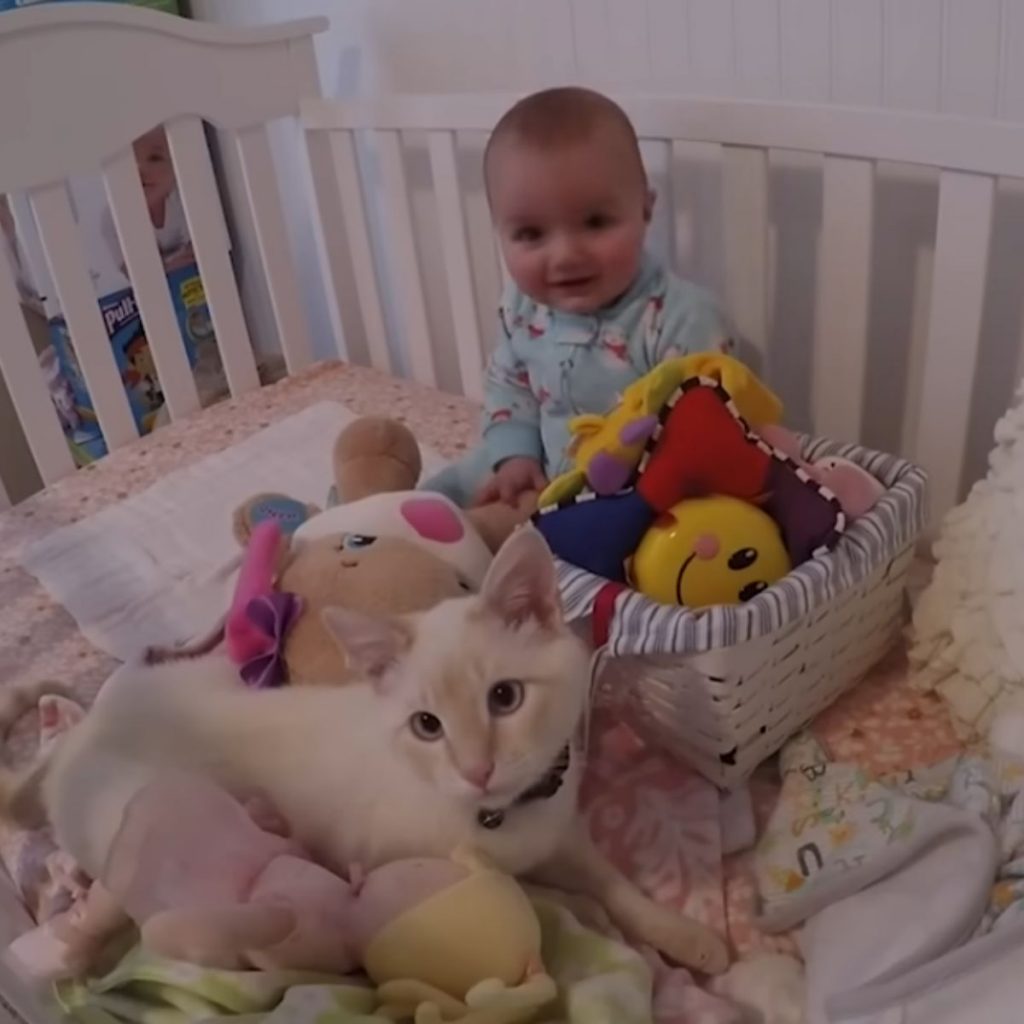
(468, 950)
(709, 551)
(607, 449)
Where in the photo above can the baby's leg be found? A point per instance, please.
(461, 480)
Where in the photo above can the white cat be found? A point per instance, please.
(465, 732)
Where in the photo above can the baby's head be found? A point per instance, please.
(156, 171)
(569, 198)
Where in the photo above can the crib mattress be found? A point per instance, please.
(882, 724)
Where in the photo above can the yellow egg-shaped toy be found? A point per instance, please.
(708, 551)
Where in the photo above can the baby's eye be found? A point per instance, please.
(527, 234)
(598, 222)
(426, 727)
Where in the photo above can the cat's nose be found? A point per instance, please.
(479, 774)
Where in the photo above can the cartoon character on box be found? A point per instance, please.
(708, 551)
(140, 375)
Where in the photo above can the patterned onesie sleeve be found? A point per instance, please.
(683, 319)
(511, 418)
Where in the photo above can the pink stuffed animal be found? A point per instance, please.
(211, 881)
(857, 490)
(207, 882)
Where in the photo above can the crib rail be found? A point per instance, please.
(739, 138)
(61, 118)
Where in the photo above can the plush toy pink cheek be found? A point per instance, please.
(433, 520)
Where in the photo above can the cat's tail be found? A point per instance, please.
(20, 788)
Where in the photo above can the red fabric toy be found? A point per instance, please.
(702, 449)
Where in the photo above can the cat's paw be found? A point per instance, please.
(685, 941)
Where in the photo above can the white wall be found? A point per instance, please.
(960, 56)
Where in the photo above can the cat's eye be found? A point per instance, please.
(357, 541)
(426, 727)
(505, 697)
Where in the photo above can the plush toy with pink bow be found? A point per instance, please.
(383, 548)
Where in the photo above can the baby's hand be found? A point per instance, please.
(512, 478)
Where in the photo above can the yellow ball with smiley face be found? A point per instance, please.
(708, 551)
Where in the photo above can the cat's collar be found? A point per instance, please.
(543, 789)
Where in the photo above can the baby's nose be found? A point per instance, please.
(566, 250)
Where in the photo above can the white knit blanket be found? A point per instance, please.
(967, 636)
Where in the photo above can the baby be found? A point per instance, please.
(159, 186)
(588, 311)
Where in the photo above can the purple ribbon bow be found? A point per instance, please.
(273, 615)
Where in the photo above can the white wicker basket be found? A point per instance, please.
(724, 688)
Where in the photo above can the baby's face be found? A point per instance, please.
(156, 170)
(571, 221)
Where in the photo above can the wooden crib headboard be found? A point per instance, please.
(363, 158)
(78, 84)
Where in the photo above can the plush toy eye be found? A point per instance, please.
(357, 541)
(426, 727)
(742, 559)
(751, 590)
(505, 697)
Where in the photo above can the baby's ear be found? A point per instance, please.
(649, 200)
(371, 643)
(521, 583)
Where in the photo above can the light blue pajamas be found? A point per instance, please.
(550, 366)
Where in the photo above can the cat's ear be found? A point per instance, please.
(371, 643)
(521, 582)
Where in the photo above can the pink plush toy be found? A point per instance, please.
(211, 881)
(208, 881)
(857, 490)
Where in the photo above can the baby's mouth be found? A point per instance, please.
(573, 283)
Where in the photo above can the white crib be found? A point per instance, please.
(735, 140)
(409, 264)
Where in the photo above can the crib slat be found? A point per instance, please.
(332, 241)
(275, 248)
(455, 248)
(841, 317)
(402, 253)
(149, 282)
(694, 173)
(350, 190)
(65, 257)
(954, 327)
(745, 219)
(20, 369)
(205, 217)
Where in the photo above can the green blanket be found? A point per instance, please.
(597, 981)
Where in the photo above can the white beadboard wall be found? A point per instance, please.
(960, 56)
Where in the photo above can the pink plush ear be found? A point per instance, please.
(433, 519)
(371, 643)
(521, 583)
